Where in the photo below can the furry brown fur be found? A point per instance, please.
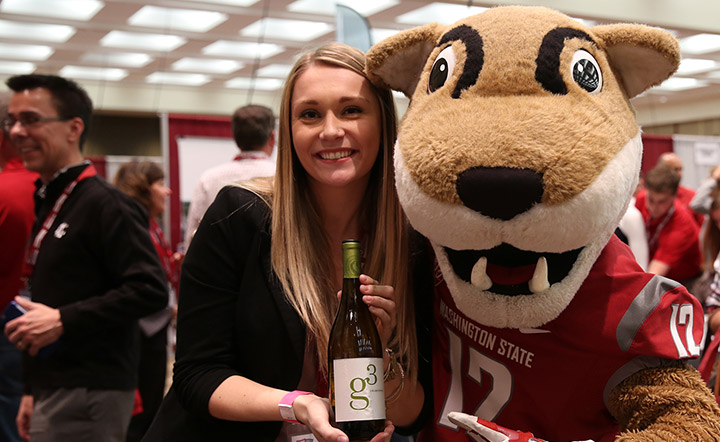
(520, 134)
(668, 404)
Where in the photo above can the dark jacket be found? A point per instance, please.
(233, 320)
(98, 266)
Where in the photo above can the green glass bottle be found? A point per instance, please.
(355, 361)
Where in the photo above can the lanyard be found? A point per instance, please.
(653, 241)
(161, 246)
(34, 247)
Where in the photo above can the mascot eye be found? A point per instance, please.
(586, 71)
(441, 70)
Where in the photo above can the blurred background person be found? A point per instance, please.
(707, 202)
(711, 249)
(703, 198)
(253, 128)
(17, 186)
(673, 235)
(144, 181)
(684, 194)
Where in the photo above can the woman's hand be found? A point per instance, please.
(381, 301)
(315, 412)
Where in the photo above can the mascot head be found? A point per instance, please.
(520, 151)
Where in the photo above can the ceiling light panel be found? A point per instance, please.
(36, 32)
(90, 73)
(242, 3)
(225, 48)
(25, 52)
(443, 13)
(207, 66)
(700, 44)
(680, 84)
(83, 10)
(117, 59)
(275, 70)
(263, 84)
(16, 67)
(713, 76)
(365, 8)
(177, 78)
(692, 66)
(134, 40)
(296, 30)
(177, 19)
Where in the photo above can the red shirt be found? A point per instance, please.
(17, 186)
(552, 380)
(674, 240)
(684, 195)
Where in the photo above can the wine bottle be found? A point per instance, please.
(355, 364)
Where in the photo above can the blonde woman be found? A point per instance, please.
(260, 279)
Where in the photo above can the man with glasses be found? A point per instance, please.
(91, 270)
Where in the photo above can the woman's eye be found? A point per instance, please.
(442, 69)
(308, 114)
(353, 110)
(586, 71)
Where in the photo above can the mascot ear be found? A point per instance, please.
(397, 62)
(643, 56)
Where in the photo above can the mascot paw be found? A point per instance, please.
(486, 431)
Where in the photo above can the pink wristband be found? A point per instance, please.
(286, 405)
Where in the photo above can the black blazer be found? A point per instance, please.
(233, 320)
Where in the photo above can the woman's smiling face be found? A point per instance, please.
(335, 121)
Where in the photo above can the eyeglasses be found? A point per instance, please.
(28, 121)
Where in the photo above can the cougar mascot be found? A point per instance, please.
(516, 158)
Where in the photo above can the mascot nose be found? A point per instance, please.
(500, 192)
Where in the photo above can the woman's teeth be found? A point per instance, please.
(335, 155)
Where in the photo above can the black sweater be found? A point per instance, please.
(233, 320)
(98, 266)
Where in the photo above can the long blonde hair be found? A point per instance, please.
(302, 270)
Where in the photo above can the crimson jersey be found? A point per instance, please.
(553, 380)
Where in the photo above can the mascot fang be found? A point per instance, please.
(516, 158)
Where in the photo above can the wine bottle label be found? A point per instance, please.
(359, 389)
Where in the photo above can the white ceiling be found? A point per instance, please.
(222, 62)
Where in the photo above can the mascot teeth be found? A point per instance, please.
(509, 271)
(539, 281)
(479, 277)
